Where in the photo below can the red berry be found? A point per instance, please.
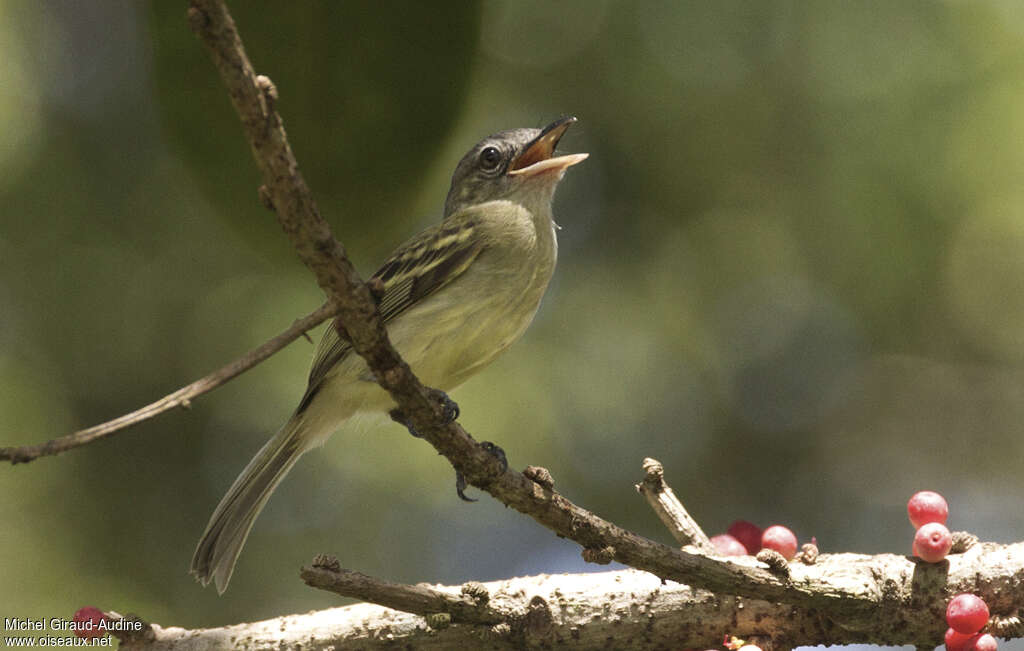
(748, 533)
(983, 642)
(726, 545)
(957, 641)
(925, 507)
(781, 539)
(932, 542)
(967, 613)
(87, 622)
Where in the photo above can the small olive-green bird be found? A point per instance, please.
(454, 298)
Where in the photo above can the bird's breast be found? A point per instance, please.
(465, 325)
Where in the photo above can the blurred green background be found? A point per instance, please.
(792, 270)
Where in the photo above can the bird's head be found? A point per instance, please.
(516, 165)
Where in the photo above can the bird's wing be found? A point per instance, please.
(417, 269)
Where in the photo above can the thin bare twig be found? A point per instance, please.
(418, 599)
(180, 398)
(663, 500)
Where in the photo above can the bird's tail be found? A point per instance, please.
(230, 523)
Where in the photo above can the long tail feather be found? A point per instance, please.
(229, 526)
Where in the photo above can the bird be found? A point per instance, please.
(452, 298)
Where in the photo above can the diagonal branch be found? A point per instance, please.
(180, 398)
(285, 190)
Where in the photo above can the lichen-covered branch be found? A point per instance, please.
(634, 610)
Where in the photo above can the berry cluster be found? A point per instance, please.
(966, 615)
(928, 512)
(744, 538)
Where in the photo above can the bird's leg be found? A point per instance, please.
(460, 480)
(449, 411)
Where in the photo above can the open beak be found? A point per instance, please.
(537, 157)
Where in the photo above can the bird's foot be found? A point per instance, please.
(497, 453)
(460, 480)
(448, 407)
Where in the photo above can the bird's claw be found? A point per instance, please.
(497, 453)
(460, 480)
(460, 487)
(449, 408)
(449, 412)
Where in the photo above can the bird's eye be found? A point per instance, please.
(490, 159)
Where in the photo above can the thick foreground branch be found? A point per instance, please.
(903, 599)
(180, 398)
(614, 610)
(630, 610)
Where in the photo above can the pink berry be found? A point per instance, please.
(726, 545)
(748, 533)
(983, 642)
(957, 641)
(925, 507)
(932, 542)
(87, 622)
(781, 539)
(967, 613)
